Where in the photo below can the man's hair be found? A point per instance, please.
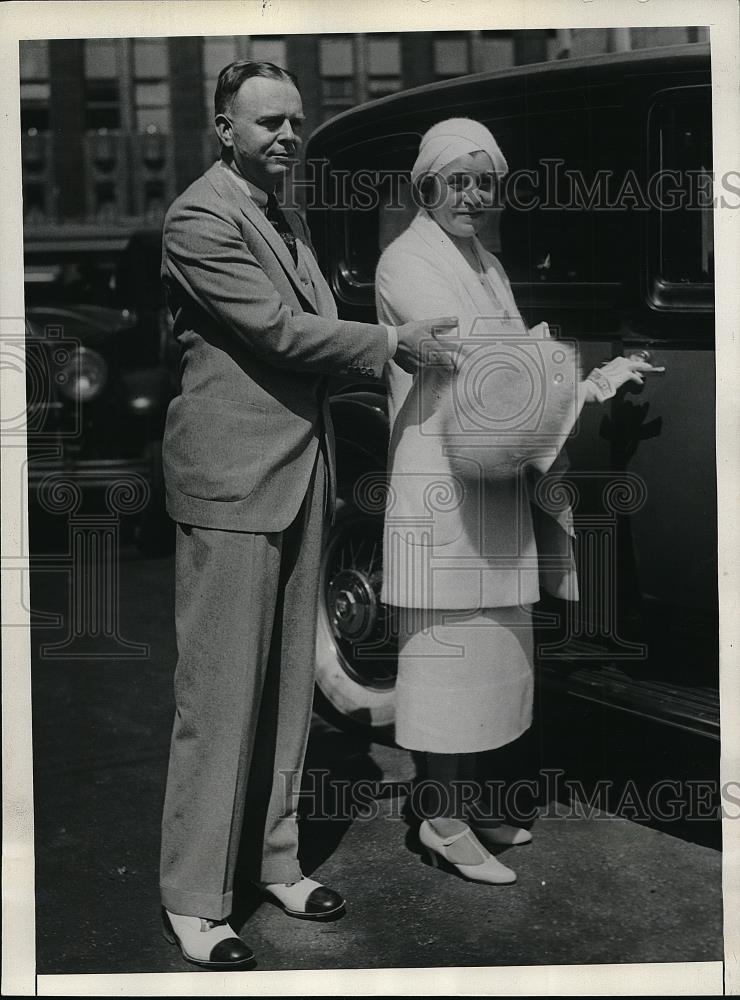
(233, 76)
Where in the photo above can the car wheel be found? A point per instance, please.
(356, 647)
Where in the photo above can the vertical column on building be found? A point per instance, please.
(128, 115)
(417, 58)
(564, 43)
(302, 58)
(475, 54)
(530, 46)
(697, 34)
(618, 39)
(187, 106)
(359, 48)
(67, 122)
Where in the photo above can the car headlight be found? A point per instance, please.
(83, 376)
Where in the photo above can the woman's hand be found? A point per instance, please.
(602, 383)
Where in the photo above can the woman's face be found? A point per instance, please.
(465, 190)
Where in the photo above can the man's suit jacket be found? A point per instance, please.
(258, 336)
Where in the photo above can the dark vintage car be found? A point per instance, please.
(604, 234)
(100, 372)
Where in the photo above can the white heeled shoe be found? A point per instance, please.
(503, 835)
(487, 869)
(213, 944)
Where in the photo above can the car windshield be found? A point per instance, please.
(125, 277)
(92, 282)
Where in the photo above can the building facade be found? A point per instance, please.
(113, 129)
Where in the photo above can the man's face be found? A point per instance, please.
(262, 128)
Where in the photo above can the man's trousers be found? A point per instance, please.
(246, 608)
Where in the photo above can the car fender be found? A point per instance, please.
(361, 430)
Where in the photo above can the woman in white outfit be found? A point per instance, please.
(460, 557)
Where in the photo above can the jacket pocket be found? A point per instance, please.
(214, 448)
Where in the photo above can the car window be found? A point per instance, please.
(582, 207)
(556, 225)
(680, 126)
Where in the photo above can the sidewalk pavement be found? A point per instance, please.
(597, 890)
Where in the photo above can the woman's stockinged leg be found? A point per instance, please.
(448, 784)
(486, 817)
(487, 811)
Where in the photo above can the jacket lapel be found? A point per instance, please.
(476, 296)
(228, 188)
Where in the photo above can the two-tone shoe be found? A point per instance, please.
(306, 899)
(211, 943)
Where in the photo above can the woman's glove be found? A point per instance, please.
(602, 383)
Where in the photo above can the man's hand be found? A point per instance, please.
(412, 353)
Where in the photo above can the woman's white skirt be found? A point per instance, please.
(465, 678)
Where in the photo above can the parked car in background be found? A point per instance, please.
(101, 370)
(605, 236)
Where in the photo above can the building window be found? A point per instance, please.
(494, 50)
(35, 89)
(384, 65)
(102, 87)
(336, 66)
(217, 53)
(451, 56)
(151, 85)
(268, 48)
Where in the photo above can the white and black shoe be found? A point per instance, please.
(211, 943)
(306, 899)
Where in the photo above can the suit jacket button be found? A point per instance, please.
(371, 371)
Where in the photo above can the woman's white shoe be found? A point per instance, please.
(487, 869)
(503, 835)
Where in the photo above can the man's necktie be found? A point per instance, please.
(275, 214)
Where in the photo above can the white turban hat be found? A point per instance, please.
(454, 137)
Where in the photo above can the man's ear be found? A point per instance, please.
(224, 131)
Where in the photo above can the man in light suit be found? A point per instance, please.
(248, 456)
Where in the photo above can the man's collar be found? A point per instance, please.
(258, 196)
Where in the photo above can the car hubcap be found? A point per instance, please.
(353, 607)
(361, 625)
